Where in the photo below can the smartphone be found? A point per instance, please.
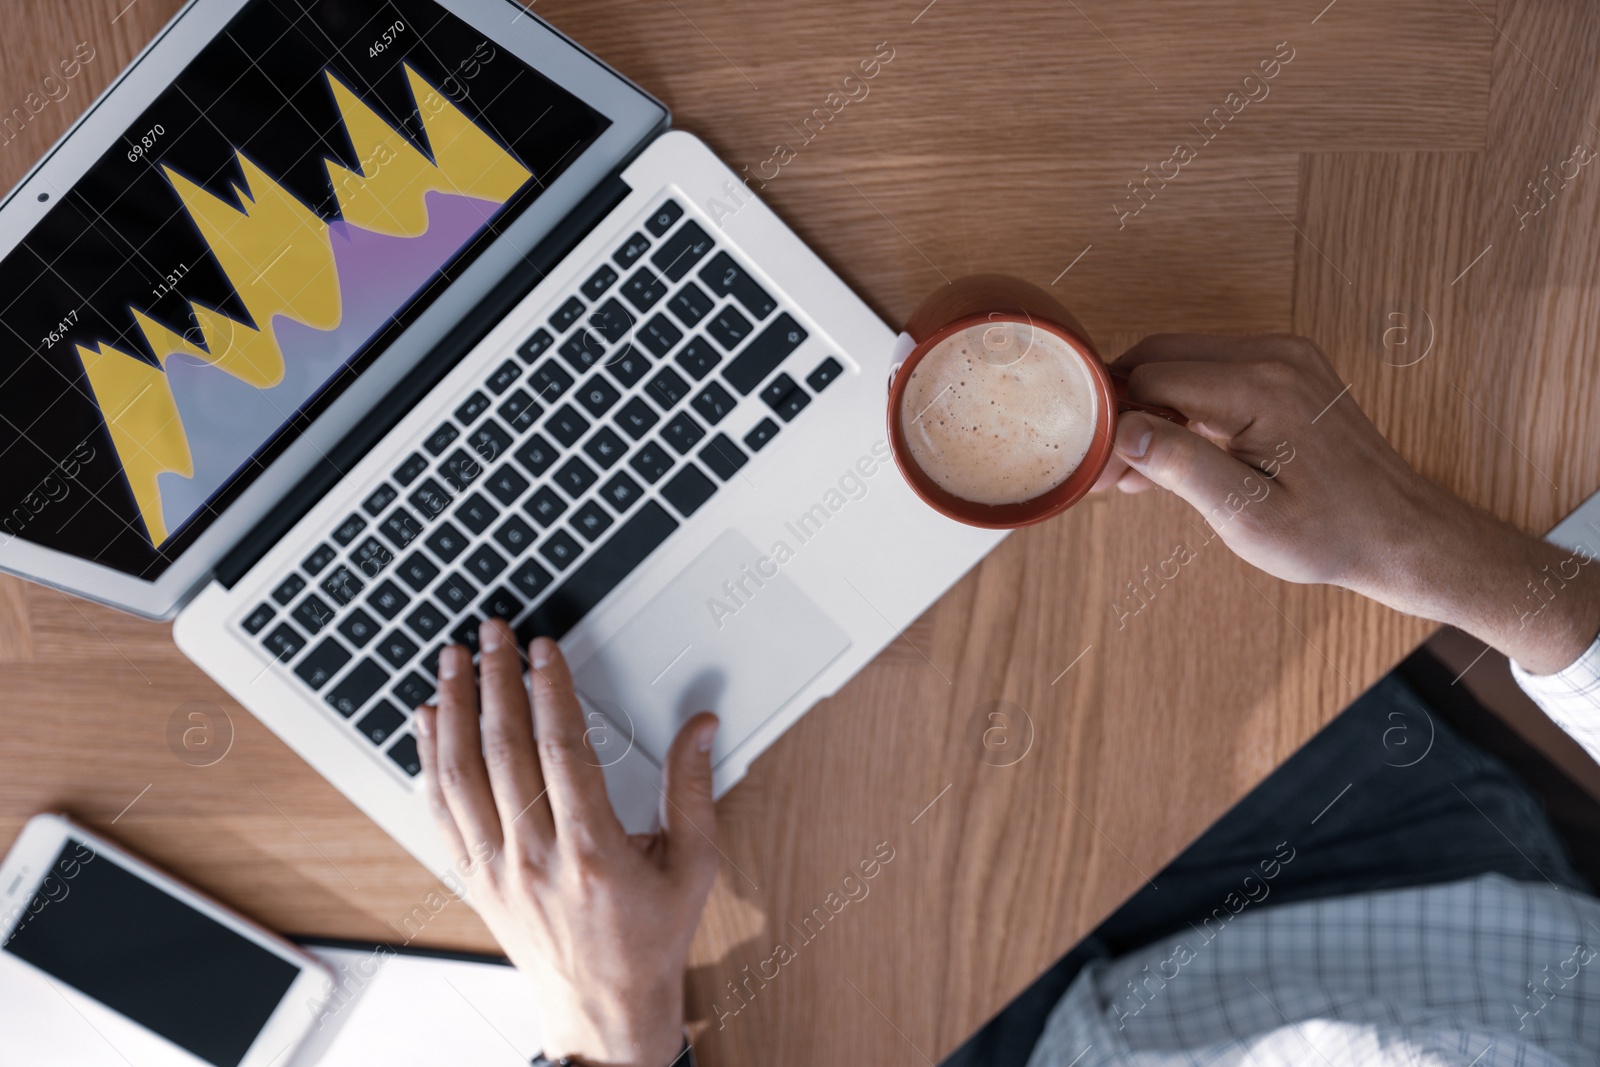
(81, 912)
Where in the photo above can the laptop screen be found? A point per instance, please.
(298, 194)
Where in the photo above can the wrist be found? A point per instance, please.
(644, 1031)
(1448, 561)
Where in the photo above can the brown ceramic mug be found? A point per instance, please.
(996, 299)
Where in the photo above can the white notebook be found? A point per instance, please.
(397, 1009)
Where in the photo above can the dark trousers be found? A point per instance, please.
(1387, 796)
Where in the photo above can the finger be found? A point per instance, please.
(577, 788)
(688, 813)
(514, 775)
(1133, 482)
(423, 727)
(1114, 469)
(1206, 347)
(1225, 397)
(1175, 459)
(463, 778)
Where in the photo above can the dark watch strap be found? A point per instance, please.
(684, 1058)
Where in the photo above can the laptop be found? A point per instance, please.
(338, 326)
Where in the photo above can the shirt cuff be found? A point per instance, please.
(1571, 696)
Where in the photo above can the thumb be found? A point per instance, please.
(687, 812)
(1180, 460)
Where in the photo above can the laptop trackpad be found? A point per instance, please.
(730, 634)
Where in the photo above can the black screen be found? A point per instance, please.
(303, 189)
(127, 944)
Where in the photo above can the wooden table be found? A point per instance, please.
(1376, 199)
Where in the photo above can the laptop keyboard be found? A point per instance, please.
(549, 482)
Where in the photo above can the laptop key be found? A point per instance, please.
(381, 498)
(682, 433)
(679, 253)
(774, 391)
(727, 278)
(575, 476)
(636, 417)
(627, 365)
(531, 578)
(455, 593)
(440, 439)
(599, 282)
(713, 402)
(381, 722)
(372, 556)
(665, 215)
(506, 485)
(474, 405)
(566, 425)
(644, 289)
(403, 753)
(358, 628)
(411, 469)
(612, 321)
(651, 462)
(501, 604)
(764, 431)
(723, 457)
(283, 642)
(388, 600)
(430, 662)
(257, 620)
(591, 521)
(447, 542)
(476, 513)
(536, 455)
(347, 530)
(430, 498)
(729, 328)
(396, 648)
(489, 441)
(688, 489)
(631, 250)
(427, 621)
(596, 576)
(504, 377)
(401, 528)
(514, 535)
(698, 358)
(412, 690)
(823, 376)
(312, 613)
(621, 491)
(520, 410)
(467, 633)
(288, 589)
(582, 350)
(667, 388)
(535, 346)
(659, 335)
(460, 469)
(342, 585)
(322, 663)
(691, 304)
(356, 688)
(485, 564)
(793, 403)
(598, 395)
(567, 314)
(605, 447)
(550, 380)
(560, 548)
(545, 506)
(762, 355)
(319, 559)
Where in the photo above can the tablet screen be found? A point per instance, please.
(298, 194)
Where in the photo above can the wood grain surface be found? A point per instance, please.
(1370, 201)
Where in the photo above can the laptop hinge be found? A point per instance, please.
(472, 328)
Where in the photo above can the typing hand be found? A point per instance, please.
(599, 920)
(1296, 480)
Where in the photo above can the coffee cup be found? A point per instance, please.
(1003, 414)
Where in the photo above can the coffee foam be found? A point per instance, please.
(999, 413)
